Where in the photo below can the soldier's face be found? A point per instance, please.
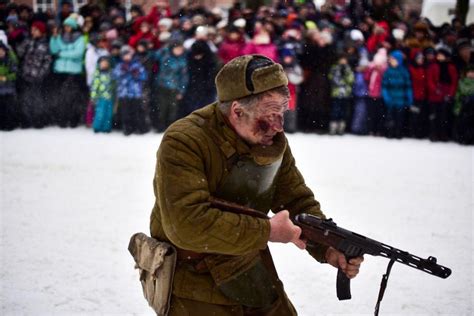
(259, 125)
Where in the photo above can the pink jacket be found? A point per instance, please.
(373, 76)
(269, 50)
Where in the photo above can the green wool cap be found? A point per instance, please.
(247, 75)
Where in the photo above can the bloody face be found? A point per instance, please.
(259, 125)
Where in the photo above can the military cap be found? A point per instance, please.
(247, 75)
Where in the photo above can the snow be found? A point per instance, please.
(70, 200)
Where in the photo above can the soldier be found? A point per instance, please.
(234, 149)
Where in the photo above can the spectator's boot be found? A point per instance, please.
(332, 128)
(341, 127)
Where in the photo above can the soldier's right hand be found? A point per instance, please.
(283, 230)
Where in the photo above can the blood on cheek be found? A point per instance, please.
(262, 126)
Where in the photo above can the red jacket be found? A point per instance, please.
(419, 82)
(134, 39)
(375, 39)
(437, 91)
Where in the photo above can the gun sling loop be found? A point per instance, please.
(383, 286)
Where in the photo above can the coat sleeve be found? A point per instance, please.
(293, 195)
(385, 88)
(55, 44)
(409, 88)
(188, 220)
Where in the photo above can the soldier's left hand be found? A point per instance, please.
(338, 260)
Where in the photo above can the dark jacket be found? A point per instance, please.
(202, 69)
(35, 59)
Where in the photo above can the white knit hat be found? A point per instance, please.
(356, 35)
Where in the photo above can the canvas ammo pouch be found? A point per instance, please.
(156, 262)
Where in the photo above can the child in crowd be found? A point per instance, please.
(96, 48)
(442, 82)
(359, 117)
(397, 94)
(418, 119)
(464, 109)
(170, 84)
(294, 73)
(130, 77)
(101, 96)
(341, 78)
(144, 54)
(69, 47)
(35, 67)
(375, 106)
(8, 69)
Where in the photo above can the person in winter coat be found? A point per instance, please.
(397, 94)
(262, 44)
(359, 116)
(130, 76)
(442, 83)
(341, 78)
(232, 46)
(421, 38)
(35, 66)
(68, 49)
(101, 96)
(380, 35)
(294, 72)
(170, 84)
(375, 105)
(8, 106)
(96, 48)
(314, 103)
(234, 149)
(464, 109)
(202, 68)
(143, 30)
(144, 54)
(418, 120)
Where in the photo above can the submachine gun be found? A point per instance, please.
(326, 232)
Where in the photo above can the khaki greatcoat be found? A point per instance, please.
(192, 161)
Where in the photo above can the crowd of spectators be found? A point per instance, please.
(355, 68)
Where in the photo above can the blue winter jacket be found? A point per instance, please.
(173, 70)
(129, 78)
(396, 85)
(70, 56)
(360, 86)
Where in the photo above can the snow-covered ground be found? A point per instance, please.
(70, 200)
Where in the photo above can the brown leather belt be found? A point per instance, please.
(188, 255)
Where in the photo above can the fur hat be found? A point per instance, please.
(247, 75)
